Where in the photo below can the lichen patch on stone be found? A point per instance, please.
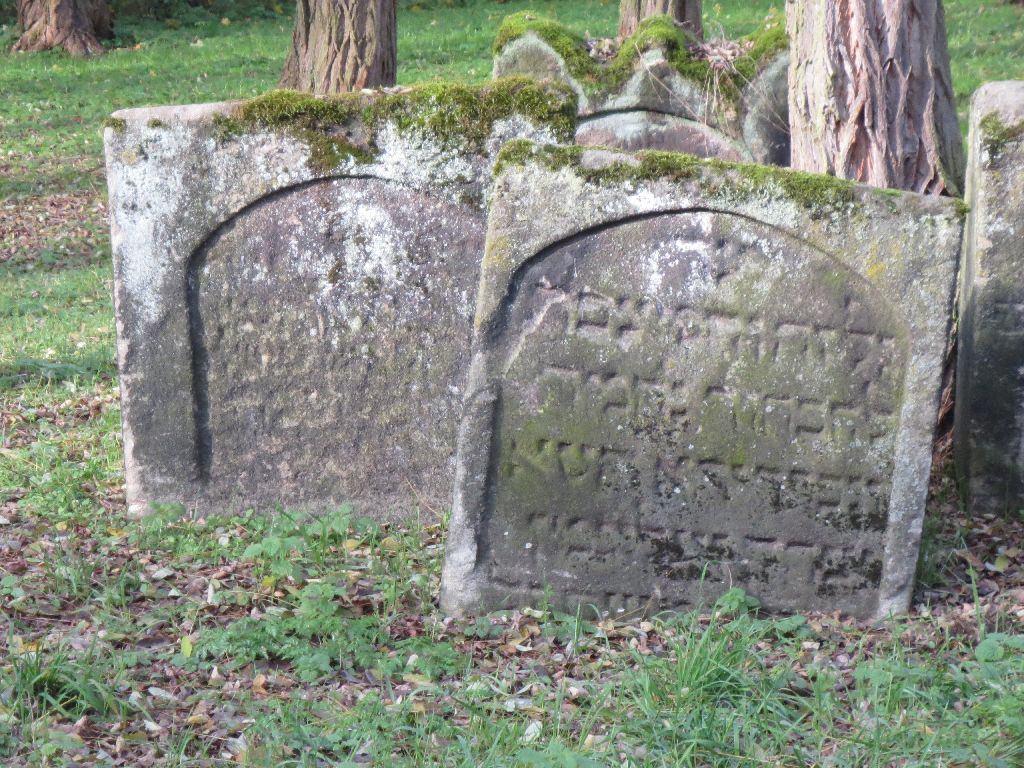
(996, 134)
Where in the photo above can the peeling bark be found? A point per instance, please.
(342, 45)
(871, 95)
(687, 13)
(77, 26)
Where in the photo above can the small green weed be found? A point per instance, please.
(340, 583)
(711, 699)
(52, 681)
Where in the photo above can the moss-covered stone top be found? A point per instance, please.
(812, 191)
(455, 114)
(116, 124)
(653, 32)
(996, 134)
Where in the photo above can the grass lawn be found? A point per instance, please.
(226, 641)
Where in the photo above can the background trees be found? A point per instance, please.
(77, 26)
(342, 45)
(870, 93)
(685, 12)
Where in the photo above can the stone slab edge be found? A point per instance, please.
(919, 236)
(988, 434)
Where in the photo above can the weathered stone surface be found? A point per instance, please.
(989, 429)
(330, 327)
(766, 113)
(529, 56)
(652, 130)
(679, 386)
(656, 107)
(656, 86)
(292, 334)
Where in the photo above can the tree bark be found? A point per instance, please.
(686, 13)
(871, 95)
(342, 45)
(77, 26)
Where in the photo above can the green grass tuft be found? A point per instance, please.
(54, 681)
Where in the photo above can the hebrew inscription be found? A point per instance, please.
(686, 403)
(330, 328)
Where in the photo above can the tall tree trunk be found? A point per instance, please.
(870, 93)
(687, 13)
(77, 26)
(342, 45)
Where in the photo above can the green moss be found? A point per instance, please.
(996, 134)
(660, 32)
(516, 152)
(653, 32)
(328, 152)
(809, 190)
(570, 46)
(116, 123)
(155, 123)
(464, 115)
(766, 43)
(291, 109)
(455, 114)
(320, 123)
(225, 126)
(673, 166)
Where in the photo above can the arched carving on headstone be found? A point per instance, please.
(330, 325)
(685, 401)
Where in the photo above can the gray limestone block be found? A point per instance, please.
(989, 428)
(692, 376)
(291, 335)
(657, 108)
(636, 130)
(529, 56)
(655, 86)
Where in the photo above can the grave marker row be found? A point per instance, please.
(647, 377)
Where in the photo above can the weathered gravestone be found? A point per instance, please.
(989, 430)
(294, 287)
(656, 93)
(689, 375)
